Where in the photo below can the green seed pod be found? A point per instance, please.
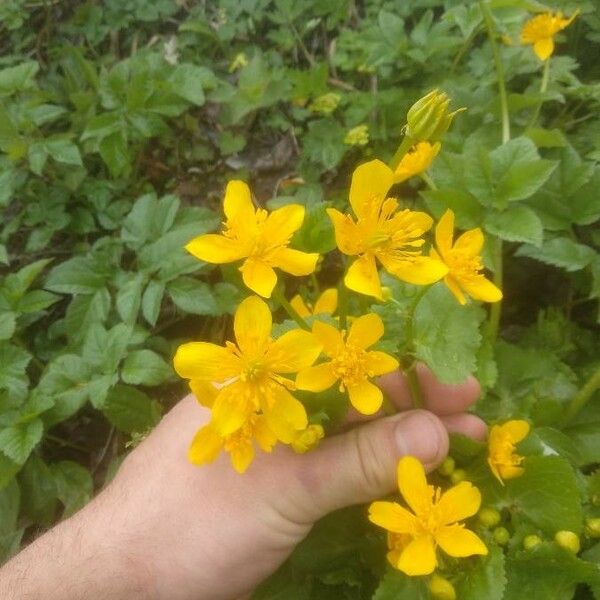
(592, 527)
(568, 540)
(441, 589)
(489, 517)
(447, 467)
(531, 541)
(501, 536)
(458, 475)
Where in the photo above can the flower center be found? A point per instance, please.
(252, 371)
(463, 265)
(350, 366)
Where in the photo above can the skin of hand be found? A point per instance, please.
(166, 529)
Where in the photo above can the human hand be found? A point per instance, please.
(173, 530)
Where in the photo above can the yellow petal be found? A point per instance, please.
(418, 558)
(326, 302)
(517, 429)
(392, 516)
(252, 325)
(295, 262)
(215, 249)
(495, 471)
(481, 289)
(413, 484)
(444, 232)
(457, 541)
(299, 306)
(470, 242)
(459, 502)
(205, 446)
(362, 276)
(294, 350)
(509, 471)
(370, 184)
(544, 48)
(366, 397)
(204, 391)
(365, 331)
(265, 438)
(329, 337)
(282, 223)
(231, 409)
(454, 287)
(284, 414)
(317, 378)
(237, 205)
(421, 270)
(242, 454)
(417, 160)
(202, 360)
(259, 277)
(347, 234)
(379, 363)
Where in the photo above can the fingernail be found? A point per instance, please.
(421, 434)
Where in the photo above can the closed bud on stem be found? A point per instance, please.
(531, 541)
(441, 589)
(428, 118)
(592, 527)
(386, 293)
(501, 535)
(489, 517)
(568, 540)
(447, 467)
(458, 475)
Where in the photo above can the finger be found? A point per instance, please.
(360, 465)
(440, 398)
(469, 425)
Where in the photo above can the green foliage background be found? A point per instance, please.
(120, 122)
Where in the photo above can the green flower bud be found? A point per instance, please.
(357, 136)
(428, 118)
(458, 475)
(441, 589)
(568, 540)
(592, 527)
(489, 517)
(531, 541)
(447, 467)
(501, 536)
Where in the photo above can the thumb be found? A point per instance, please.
(360, 465)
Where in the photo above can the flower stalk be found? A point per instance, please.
(582, 397)
(279, 297)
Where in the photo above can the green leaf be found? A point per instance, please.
(130, 410)
(144, 367)
(77, 275)
(316, 233)
(10, 536)
(114, 152)
(486, 579)
(13, 362)
(19, 78)
(36, 301)
(4, 254)
(188, 82)
(547, 494)
(8, 323)
(396, 585)
(193, 296)
(39, 491)
(74, 485)
(446, 335)
(129, 297)
(560, 252)
(515, 224)
(16, 284)
(106, 348)
(8, 469)
(152, 300)
(86, 310)
(18, 441)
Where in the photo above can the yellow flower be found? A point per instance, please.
(502, 458)
(433, 521)
(417, 160)
(308, 439)
(249, 373)
(325, 104)
(326, 304)
(428, 118)
(382, 233)
(351, 364)
(259, 237)
(357, 136)
(208, 442)
(540, 31)
(463, 261)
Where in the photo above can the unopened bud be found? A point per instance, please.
(458, 475)
(386, 294)
(307, 439)
(441, 589)
(501, 536)
(592, 527)
(489, 517)
(531, 541)
(447, 467)
(568, 540)
(428, 118)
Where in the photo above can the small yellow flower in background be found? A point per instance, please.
(433, 521)
(239, 62)
(326, 304)
(503, 460)
(417, 160)
(357, 136)
(308, 439)
(249, 381)
(441, 589)
(463, 260)
(350, 363)
(382, 233)
(540, 31)
(428, 118)
(325, 104)
(258, 237)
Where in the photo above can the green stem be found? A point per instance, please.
(289, 309)
(582, 397)
(406, 144)
(430, 182)
(543, 88)
(489, 24)
(414, 386)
